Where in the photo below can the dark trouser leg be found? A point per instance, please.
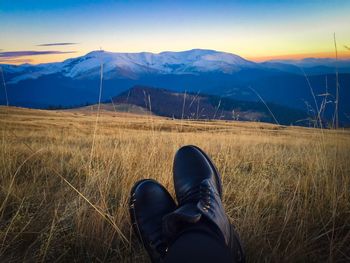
(198, 246)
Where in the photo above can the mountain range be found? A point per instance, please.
(301, 85)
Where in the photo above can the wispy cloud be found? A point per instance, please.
(15, 60)
(348, 48)
(25, 53)
(57, 44)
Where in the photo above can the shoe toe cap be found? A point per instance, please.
(191, 167)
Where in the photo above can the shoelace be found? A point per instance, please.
(201, 193)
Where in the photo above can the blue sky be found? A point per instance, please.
(253, 29)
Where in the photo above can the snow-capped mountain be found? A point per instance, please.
(131, 65)
(193, 62)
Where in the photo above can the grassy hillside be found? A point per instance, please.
(196, 106)
(65, 185)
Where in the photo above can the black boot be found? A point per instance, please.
(198, 191)
(149, 202)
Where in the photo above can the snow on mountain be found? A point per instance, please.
(134, 65)
(163, 63)
(131, 65)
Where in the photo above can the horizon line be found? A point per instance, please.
(342, 55)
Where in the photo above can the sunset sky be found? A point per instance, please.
(48, 30)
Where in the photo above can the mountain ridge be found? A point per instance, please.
(129, 64)
(194, 61)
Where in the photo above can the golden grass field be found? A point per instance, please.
(64, 191)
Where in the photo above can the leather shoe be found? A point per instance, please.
(149, 202)
(198, 190)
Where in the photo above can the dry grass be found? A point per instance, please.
(285, 188)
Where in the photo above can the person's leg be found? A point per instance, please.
(194, 247)
(199, 243)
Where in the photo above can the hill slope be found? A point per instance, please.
(201, 106)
